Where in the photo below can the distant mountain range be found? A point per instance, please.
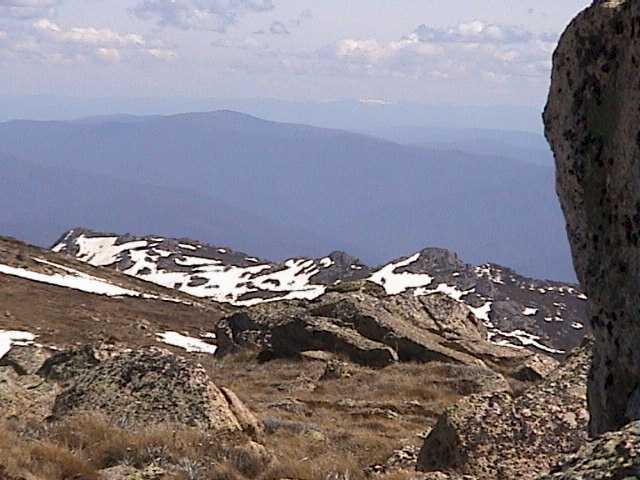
(347, 114)
(279, 189)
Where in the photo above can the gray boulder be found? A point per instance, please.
(150, 386)
(614, 455)
(499, 437)
(592, 122)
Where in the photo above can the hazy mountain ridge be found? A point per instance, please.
(336, 186)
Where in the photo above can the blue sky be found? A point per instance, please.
(431, 51)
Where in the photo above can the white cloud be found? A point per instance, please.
(215, 15)
(109, 55)
(88, 35)
(162, 53)
(46, 41)
(490, 52)
(474, 32)
(26, 9)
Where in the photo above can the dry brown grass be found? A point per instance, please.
(316, 430)
(339, 427)
(41, 459)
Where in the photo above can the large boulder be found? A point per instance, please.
(612, 456)
(369, 327)
(499, 437)
(153, 385)
(418, 328)
(592, 122)
(303, 333)
(25, 396)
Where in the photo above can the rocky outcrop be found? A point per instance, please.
(612, 456)
(25, 396)
(153, 386)
(499, 437)
(369, 327)
(125, 472)
(535, 369)
(316, 333)
(592, 122)
(70, 363)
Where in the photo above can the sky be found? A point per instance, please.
(458, 52)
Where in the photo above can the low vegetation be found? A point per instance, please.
(338, 428)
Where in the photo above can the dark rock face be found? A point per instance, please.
(153, 386)
(499, 437)
(612, 456)
(592, 123)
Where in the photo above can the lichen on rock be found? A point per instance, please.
(150, 386)
(592, 122)
(498, 436)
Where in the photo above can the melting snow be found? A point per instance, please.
(451, 291)
(326, 262)
(8, 338)
(228, 283)
(103, 251)
(486, 271)
(483, 312)
(242, 286)
(190, 344)
(525, 338)
(395, 283)
(75, 280)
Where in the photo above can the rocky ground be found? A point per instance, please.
(105, 376)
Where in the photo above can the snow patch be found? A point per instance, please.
(530, 312)
(190, 344)
(103, 251)
(395, 283)
(482, 313)
(526, 340)
(326, 262)
(450, 291)
(8, 338)
(75, 280)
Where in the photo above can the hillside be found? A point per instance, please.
(518, 311)
(67, 302)
(333, 186)
(104, 374)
